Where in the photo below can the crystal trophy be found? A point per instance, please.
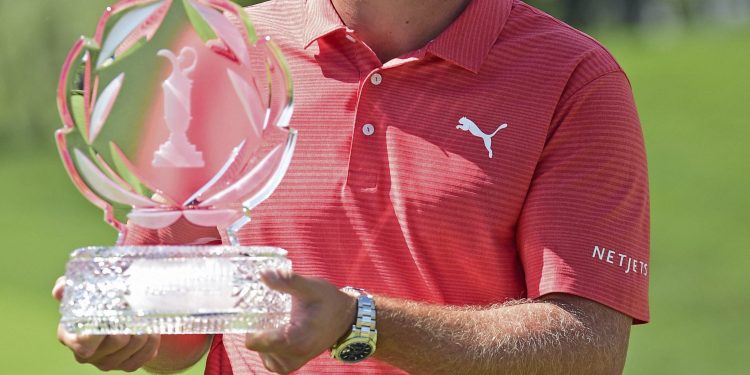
(175, 111)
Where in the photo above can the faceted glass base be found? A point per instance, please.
(172, 290)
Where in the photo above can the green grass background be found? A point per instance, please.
(693, 93)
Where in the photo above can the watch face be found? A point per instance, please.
(356, 352)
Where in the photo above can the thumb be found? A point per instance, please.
(305, 289)
(59, 288)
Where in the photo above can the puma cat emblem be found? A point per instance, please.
(470, 126)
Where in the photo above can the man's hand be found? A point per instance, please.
(321, 314)
(163, 354)
(121, 352)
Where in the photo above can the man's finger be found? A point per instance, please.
(266, 341)
(114, 359)
(274, 364)
(57, 290)
(82, 346)
(111, 344)
(147, 353)
(289, 363)
(302, 288)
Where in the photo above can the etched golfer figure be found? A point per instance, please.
(177, 151)
(470, 126)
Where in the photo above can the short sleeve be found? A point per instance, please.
(584, 228)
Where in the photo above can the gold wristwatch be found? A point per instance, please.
(360, 343)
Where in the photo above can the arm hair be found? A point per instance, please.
(558, 334)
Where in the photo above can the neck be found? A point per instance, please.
(394, 27)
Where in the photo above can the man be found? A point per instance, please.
(475, 165)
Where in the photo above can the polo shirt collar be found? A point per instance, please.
(321, 19)
(466, 42)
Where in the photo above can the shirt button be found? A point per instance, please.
(376, 79)
(368, 129)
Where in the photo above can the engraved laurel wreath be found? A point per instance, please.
(152, 151)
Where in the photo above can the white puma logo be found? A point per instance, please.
(467, 125)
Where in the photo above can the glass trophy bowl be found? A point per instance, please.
(175, 111)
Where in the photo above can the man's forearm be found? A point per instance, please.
(560, 335)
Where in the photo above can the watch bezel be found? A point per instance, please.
(339, 351)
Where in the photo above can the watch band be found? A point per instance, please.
(361, 341)
(366, 312)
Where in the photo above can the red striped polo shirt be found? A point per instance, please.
(502, 160)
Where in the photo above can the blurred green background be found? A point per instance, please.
(688, 62)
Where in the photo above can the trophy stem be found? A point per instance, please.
(233, 229)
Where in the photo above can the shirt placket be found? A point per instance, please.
(366, 163)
